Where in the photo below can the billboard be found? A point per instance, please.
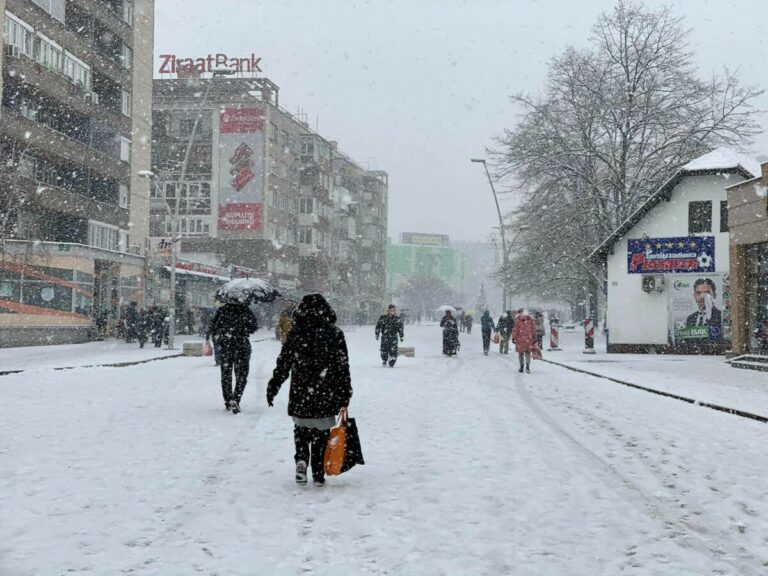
(671, 255)
(424, 239)
(699, 308)
(241, 168)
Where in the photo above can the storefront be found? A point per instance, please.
(51, 292)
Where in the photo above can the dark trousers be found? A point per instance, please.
(234, 355)
(388, 348)
(311, 440)
(486, 340)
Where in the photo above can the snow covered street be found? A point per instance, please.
(471, 468)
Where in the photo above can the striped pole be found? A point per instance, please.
(554, 337)
(589, 336)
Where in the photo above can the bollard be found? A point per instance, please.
(589, 336)
(554, 337)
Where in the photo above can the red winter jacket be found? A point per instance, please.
(524, 334)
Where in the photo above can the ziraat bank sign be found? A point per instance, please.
(172, 64)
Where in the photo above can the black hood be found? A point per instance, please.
(314, 310)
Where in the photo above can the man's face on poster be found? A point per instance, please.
(700, 295)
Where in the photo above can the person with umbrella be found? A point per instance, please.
(450, 334)
(230, 328)
(389, 327)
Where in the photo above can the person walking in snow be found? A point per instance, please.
(230, 328)
(486, 327)
(538, 319)
(285, 323)
(504, 328)
(469, 321)
(450, 334)
(316, 358)
(389, 327)
(131, 322)
(525, 340)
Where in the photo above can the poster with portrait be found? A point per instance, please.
(699, 308)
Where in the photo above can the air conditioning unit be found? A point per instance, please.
(92, 97)
(653, 283)
(12, 51)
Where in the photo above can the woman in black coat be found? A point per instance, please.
(315, 355)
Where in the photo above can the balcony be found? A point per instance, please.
(58, 87)
(308, 219)
(42, 137)
(41, 197)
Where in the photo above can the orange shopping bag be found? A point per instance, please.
(343, 450)
(207, 348)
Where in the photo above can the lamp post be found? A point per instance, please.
(504, 255)
(177, 203)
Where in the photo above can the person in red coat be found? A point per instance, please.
(525, 340)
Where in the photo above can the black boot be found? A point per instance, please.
(527, 369)
(521, 369)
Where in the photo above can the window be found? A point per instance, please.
(102, 235)
(699, 217)
(27, 165)
(185, 126)
(125, 149)
(123, 197)
(305, 235)
(78, 72)
(306, 205)
(307, 148)
(128, 12)
(273, 132)
(125, 102)
(724, 216)
(126, 56)
(54, 7)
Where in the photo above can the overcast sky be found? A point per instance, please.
(417, 87)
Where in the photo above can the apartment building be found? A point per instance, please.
(74, 133)
(237, 196)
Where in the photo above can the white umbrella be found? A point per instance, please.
(445, 308)
(246, 291)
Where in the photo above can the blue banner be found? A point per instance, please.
(670, 255)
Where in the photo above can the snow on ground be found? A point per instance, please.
(471, 468)
(703, 378)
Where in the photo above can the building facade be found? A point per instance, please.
(748, 225)
(668, 265)
(74, 133)
(260, 189)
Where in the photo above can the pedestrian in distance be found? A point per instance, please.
(486, 328)
(462, 321)
(316, 358)
(230, 328)
(504, 328)
(525, 340)
(131, 322)
(156, 325)
(389, 327)
(469, 321)
(450, 334)
(142, 327)
(285, 323)
(538, 320)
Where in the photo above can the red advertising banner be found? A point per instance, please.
(240, 217)
(241, 169)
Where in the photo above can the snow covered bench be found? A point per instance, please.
(408, 351)
(193, 348)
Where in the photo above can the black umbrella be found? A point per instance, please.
(247, 291)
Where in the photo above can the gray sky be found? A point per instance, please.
(417, 87)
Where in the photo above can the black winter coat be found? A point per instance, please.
(389, 327)
(232, 323)
(315, 356)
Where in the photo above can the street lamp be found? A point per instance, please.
(505, 256)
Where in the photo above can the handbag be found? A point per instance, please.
(343, 450)
(496, 338)
(536, 354)
(207, 348)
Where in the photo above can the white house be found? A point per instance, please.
(668, 284)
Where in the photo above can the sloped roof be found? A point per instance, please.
(719, 161)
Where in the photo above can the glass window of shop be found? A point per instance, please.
(757, 297)
(41, 287)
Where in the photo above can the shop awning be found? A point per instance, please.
(183, 272)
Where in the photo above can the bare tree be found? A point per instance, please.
(615, 121)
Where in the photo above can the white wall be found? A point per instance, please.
(637, 317)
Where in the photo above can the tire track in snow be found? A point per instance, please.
(679, 528)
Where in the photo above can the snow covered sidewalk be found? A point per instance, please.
(471, 468)
(703, 378)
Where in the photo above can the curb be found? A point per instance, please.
(718, 407)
